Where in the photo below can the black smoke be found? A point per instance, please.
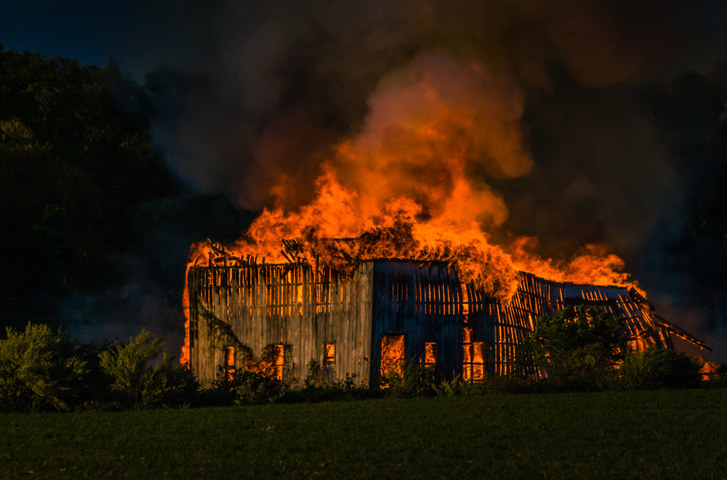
(624, 108)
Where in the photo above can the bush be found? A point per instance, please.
(659, 368)
(577, 347)
(253, 388)
(136, 383)
(451, 388)
(318, 376)
(39, 370)
(716, 378)
(491, 383)
(412, 379)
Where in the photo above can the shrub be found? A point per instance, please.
(577, 347)
(319, 385)
(412, 379)
(659, 368)
(39, 370)
(318, 376)
(491, 383)
(253, 388)
(136, 383)
(451, 388)
(717, 377)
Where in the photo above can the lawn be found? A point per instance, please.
(658, 434)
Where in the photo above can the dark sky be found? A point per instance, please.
(139, 35)
(624, 107)
(143, 35)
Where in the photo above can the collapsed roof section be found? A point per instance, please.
(307, 308)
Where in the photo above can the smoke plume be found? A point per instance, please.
(569, 122)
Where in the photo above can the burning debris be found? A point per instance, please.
(396, 242)
(366, 319)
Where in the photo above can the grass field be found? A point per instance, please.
(659, 434)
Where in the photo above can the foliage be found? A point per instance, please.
(411, 379)
(319, 376)
(255, 388)
(137, 383)
(319, 386)
(578, 346)
(40, 370)
(717, 378)
(491, 383)
(75, 163)
(450, 388)
(659, 368)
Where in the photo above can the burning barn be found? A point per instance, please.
(405, 246)
(362, 321)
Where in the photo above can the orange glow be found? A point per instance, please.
(594, 265)
(330, 354)
(279, 361)
(230, 357)
(229, 363)
(430, 353)
(478, 361)
(393, 354)
(473, 357)
(197, 254)
(708, 371)
(411, 183)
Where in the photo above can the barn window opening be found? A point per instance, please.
(430, 354)
(473, 359)
(330, 354)
(279, 363)
(229, 363)
(393, 354)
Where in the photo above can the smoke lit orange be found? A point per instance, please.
(412, 183)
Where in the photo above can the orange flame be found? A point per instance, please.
(412, 184)
(197, 255)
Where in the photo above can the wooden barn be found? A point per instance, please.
(361, 324)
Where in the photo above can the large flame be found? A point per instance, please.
(412, 184)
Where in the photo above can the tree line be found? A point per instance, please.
(75, 159)
(88, 205)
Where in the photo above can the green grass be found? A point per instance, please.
(659, 434)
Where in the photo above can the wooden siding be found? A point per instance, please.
(422, 302)
(256, 306)
(503, 326)
(253, 306)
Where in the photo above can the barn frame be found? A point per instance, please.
(351, 323)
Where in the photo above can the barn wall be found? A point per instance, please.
(502, 326)
(255, 306)
(422, 302)
(261, 305)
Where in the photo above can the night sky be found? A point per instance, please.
(624, 109)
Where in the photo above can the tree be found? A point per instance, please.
(578, 345)
(75, 165)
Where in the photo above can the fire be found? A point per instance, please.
(393, 354)
(411, 183)
(198, 254)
